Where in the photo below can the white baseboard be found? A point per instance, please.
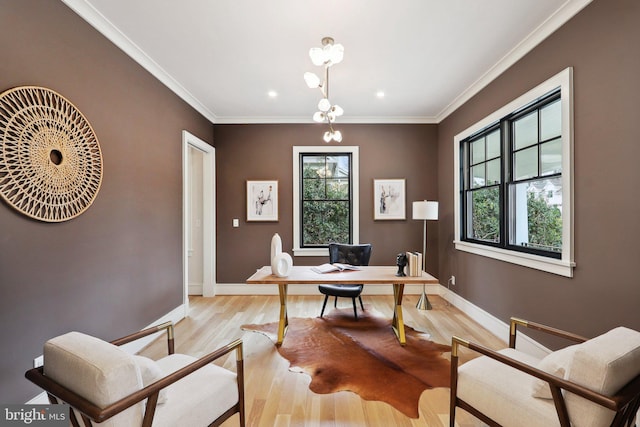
(175, 315)
(245, 289)
(496, 326)
(195, 289)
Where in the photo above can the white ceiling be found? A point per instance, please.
(224, 56)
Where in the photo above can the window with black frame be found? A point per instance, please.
(512, 180)
(325, 199)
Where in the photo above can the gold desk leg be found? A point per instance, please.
(398, 322)
(284, 319)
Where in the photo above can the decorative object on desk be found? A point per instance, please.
(50, 158)
(281, 264)
(262, 200)
(414, 264)
(329, 54)
(276, 246)
(424, 210)
(336, 266)
(401, 262)
(362, 356)
(388, 199)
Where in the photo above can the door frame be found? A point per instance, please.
(208, 215)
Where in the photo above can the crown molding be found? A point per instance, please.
(221, 120)
(98, 21)
(544, 30)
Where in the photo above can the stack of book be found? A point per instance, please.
(414, 264)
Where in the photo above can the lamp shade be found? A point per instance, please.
(425, 210)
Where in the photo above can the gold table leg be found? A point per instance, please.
(284, 319)
(398, 322)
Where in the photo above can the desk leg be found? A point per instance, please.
(284, 319)
(398, 322)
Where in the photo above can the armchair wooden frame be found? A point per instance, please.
(92, 413)
(624, 403)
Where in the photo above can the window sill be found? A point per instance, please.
(550, 265)
(311, 252)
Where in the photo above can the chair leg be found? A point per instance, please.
(324, 304)
(361, 305)
(335, 302)
(355, 311)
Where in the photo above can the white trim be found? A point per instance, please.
(355, 191)
(307, 119)
(98, 21)
(566, 264)
(208, 214)
(494, 325)
(175, 315)
(544, 30)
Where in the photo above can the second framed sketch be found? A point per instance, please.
(388, 199)
(262, 200)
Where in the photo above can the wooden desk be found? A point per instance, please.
(367, 275)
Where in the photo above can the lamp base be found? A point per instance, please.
(423, 302)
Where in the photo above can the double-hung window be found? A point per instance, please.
(513, 183)
(325, 198)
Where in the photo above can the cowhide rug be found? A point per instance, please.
(364, 356)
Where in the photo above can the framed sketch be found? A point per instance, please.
(262, 200)
(388, 199)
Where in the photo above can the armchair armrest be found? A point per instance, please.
(513, 326)
(168, 326)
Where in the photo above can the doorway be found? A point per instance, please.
(198, 217)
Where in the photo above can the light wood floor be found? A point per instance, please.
(277, 397)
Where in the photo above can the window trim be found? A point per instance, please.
(355, 207)
(565, 265)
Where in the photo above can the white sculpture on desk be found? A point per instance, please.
(281, 262)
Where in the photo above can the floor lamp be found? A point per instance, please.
(424, 210)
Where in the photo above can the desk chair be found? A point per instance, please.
(346, 254)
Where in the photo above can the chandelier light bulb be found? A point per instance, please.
(335, 54)
(337, 110)
(337, 136)
(324, 105)
(312, 80)
(327, 136)
(318, 117)
(317, 56)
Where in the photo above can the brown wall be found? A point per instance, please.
(601, 44)
(265, 152)
(118, 266)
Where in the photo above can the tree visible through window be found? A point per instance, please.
(325, 198)
(513, 180)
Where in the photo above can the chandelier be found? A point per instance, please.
(327, 55)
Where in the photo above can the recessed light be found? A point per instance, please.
(380, 94)
(272, 94)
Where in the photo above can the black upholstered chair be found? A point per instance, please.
(346, 254)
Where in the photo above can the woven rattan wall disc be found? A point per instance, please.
(50, 159)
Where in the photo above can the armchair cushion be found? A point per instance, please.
(198, 398)
(150, 372)
(503, 392)
(102, 372)
(556, 363)
(603, 364)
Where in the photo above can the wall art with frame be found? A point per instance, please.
(388, 199)
(262, 200)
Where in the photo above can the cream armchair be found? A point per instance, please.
(594, 383)
(105, 384)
